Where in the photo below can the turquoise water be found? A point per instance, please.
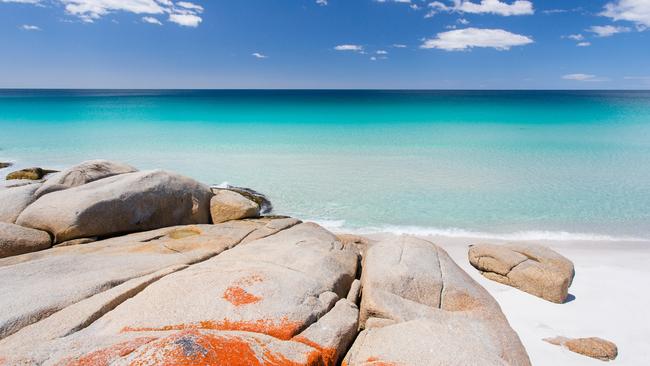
(525, 164)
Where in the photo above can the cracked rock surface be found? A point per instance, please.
(419, 308)
(532, 268)
(276, 300)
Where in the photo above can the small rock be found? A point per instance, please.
(228, 205)
(257, 197)
(532, 268)
(15, 240)
(5, 165)
(29, 173)
(592, 347)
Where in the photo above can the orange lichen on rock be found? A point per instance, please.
(197, 348)
(238, 296)
(107, 355)
(283, 329)
(327, 355)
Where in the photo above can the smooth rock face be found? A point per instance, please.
(419, 308)
(257, 197)
(15, 240)
(120, 204)
(80, 271)
(228, 205)
(86, 172)
(531, 268)
(29, 173)
(285, 307)
(592, 347)
(14, 200)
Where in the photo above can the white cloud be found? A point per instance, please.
(518, 7)
(181, 12)
(28, 27)
(637, 11)
(582, 77)
(607, 30)
(190, 6)
(583, 44)
(382, 52)
(186, 20)
(321, 2)
(259, 55)
(575, 37)
(463, 39)
(398, 45)
(349, 47)
(151, 20)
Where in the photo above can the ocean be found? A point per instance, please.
(560, 165)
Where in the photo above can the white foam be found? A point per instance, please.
(538, 235)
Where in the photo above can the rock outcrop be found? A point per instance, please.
(80, 271)
(15, 240)
(80, 174)
(29, 173)
(593, 347)
(14, 200)
(531, 268)
(109, 266)
(5, 165)
(419, 308)
(120, 204)
(228, 205)
(285, 307)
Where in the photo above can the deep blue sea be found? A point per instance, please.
(512, 164)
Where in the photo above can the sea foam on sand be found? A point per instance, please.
(608, 299)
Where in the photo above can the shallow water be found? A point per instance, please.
(558, 165)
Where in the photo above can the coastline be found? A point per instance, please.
(608, 299)
(610, 271)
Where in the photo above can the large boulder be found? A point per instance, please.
(532, 268)
(278, 300)
(30, 173)
(120, 204)
(419, 308)
(228, 205)
(593, 347)
(86, 172)
(15, 240)
(81, 271)
(14, 200)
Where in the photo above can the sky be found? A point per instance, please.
(377, 44)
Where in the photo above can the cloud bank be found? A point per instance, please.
(463, 39)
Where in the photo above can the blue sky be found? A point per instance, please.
(444, 44)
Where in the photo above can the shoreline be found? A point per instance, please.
(606, 299)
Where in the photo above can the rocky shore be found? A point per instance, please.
(102, 264)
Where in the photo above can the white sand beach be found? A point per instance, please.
(609, 300)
